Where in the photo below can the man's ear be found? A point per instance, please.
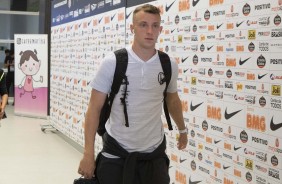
(132, 28)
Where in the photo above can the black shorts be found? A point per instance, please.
(110, 171)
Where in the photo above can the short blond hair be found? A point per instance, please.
(148, 8)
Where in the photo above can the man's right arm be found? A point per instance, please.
(87, 164)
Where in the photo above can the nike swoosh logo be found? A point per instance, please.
(261, 76)
(172, 30)
(218, 26)
(236, 148)
(209, 48)
(184, 59)
(274, 126)
(185, 70)
(241, 62)
(215, 142)
(128, 15)
(112, 17)
(182, 160)
(225, 167)
(100, 20)
(239, 24)
(193, 182)
(194, 107)
(230, 115)
(195, 2)
(168, 7)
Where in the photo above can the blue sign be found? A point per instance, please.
(64, 11)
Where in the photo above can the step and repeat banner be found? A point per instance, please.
(230, 77)
(88, 33)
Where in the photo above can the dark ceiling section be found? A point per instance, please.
(25, 5)
(17, 5)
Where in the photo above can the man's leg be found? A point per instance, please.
(159, 176)
(110, 170)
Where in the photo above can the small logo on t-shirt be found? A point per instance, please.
(161, 78)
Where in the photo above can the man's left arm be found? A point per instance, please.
(175, 110)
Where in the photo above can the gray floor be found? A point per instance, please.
(29, 156)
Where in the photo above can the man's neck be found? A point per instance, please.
(143, 53)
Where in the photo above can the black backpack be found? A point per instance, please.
(119, 78)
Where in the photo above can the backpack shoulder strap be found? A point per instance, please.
(119, 78)
(119, 75)
(121, 66)
(166, 66)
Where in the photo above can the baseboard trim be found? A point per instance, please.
(74, 144)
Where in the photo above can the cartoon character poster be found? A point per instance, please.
(31, 75)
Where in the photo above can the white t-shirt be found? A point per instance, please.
(144, 101)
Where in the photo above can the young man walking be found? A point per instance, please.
(134, 153)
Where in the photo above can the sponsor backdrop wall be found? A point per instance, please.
(31, 75)
(229, 58)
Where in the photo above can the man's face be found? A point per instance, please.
(146, 28)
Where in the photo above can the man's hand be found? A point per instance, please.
(182, 141)
(87, 166)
